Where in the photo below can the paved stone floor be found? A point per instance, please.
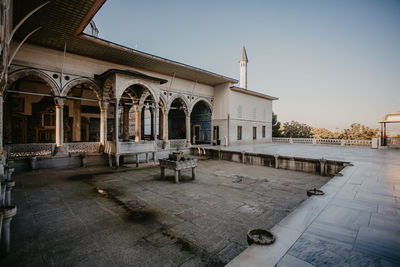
(99, 217)
(356, 223)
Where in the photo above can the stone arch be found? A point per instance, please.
(205, 100)
(107, 90)
(143, 97)
(21, 73)
(127, 84)
(182, 99)
(163, 100)
(162, 104)
(93, 85)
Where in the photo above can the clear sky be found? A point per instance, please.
(330, 63)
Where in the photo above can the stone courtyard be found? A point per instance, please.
(101, 217)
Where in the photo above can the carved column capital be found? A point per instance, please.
(103, 105)
(59, 101)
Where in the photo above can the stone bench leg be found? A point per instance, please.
(147, 157)
(137, 160)
(154, 158)
(176, 174)
(162, 172)
(180, 174)
(193, 173)
(110, 160)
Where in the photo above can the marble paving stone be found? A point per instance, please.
(381, 243)
(385, 222)
(333, 233)
(303, 216)
(345, 217)
(290, 261)
(391, 211)
(321, 252)
(376, 198)
(355, 204)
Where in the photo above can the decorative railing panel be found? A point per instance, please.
(302, 140)
(137, 147)
(358, 142)
(29, 150)
(281, 139)
(393, 141)
(83, 147)
(329, 141)
(177, 143)
(160, 144)
(340, 142)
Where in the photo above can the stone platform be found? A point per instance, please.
(356, 222)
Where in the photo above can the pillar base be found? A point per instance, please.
(60, 151)
(9, 185)
(165, 144)
(8, 213)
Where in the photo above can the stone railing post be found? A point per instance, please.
(322, 163)
(276, 156)
(314, 141)
(342, 142)
(291, 140)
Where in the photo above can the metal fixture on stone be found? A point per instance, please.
(314, 191)
(260, 237)
(176, 156)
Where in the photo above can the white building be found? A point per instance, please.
(62, 89)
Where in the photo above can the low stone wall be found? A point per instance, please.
(322, 167)
(76, 160)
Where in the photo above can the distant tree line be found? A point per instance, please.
(295, 129)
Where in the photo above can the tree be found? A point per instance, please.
(358, 131)
(276, 126)
(324, 133)
(297, 130)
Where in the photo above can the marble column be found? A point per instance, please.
(160, 124)
(125, 123)
(103, 122)
(116, 127)
(76, 129)
(142, 122)
(59, 122)
(165, 126)
(154, 121)
(138, 116)
(188, 129)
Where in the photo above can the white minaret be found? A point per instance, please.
(243, 69)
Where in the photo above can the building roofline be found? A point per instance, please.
(148, 55)
(89, 16)
(252, 93)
